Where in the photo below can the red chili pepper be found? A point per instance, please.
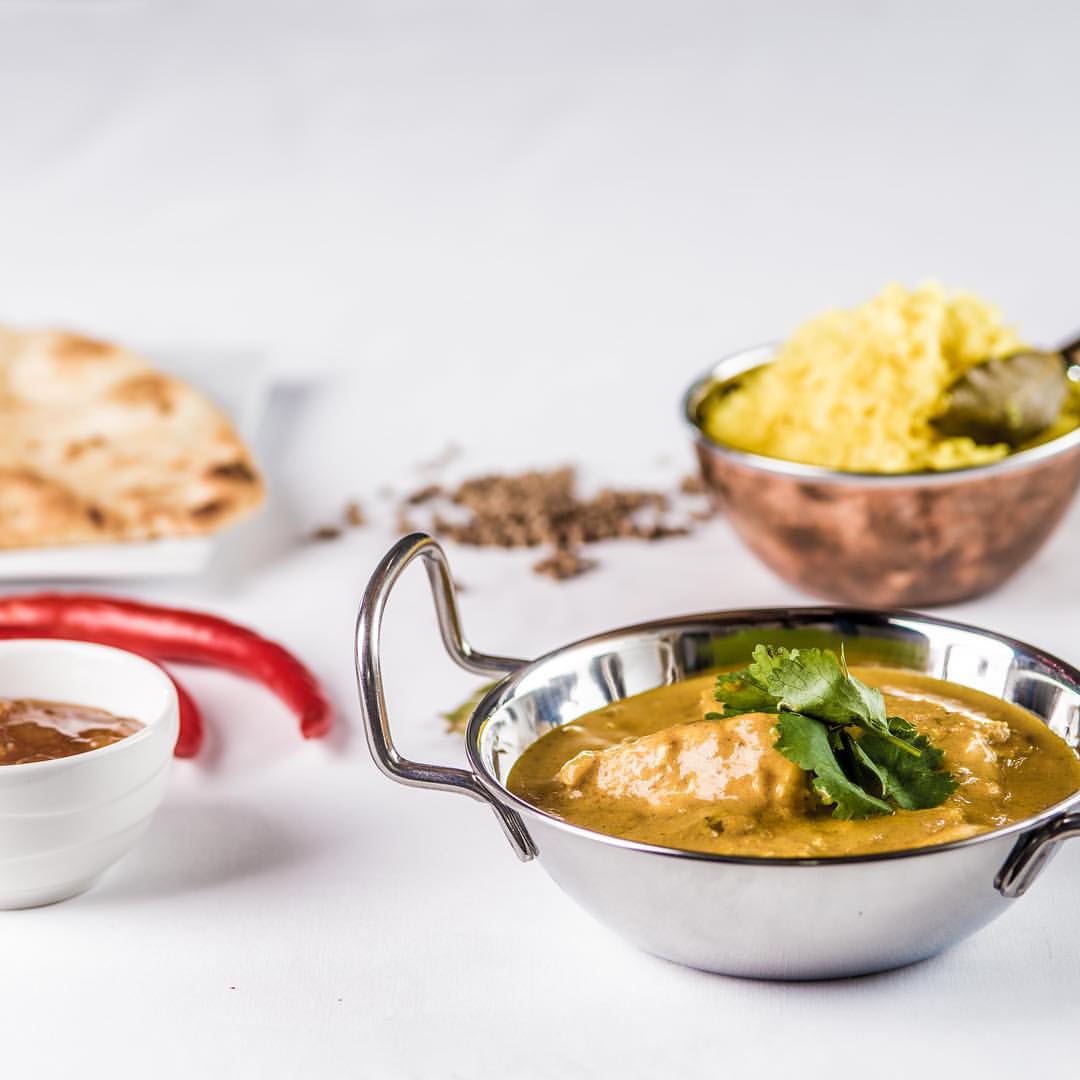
(190, 739)
(163, 633)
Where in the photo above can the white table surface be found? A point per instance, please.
(520, 228)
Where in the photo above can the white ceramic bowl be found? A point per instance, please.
(64, 822)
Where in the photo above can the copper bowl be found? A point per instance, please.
(879, 540)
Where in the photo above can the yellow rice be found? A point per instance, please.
(856, 390)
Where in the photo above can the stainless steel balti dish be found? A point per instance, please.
(763, 918)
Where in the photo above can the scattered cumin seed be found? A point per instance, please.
(354, 515)
(544, 509)
(660, 531)
(563, 564)
(325, 532)
(423, 495)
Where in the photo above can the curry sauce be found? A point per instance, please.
(652, 768)
(32, 730)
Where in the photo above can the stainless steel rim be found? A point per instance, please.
(503, 689)
(760, 354)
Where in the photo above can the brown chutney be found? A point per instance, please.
(651, 768)
(33, 730)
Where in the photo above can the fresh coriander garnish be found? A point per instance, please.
(458, 719)
(833, 726)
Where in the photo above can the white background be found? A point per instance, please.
(520, 228)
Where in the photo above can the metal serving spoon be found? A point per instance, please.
(1011, 399)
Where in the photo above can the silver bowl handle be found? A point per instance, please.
(369, 679)
(1032, 852)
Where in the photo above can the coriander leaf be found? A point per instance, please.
(813, 682)
(865, 761)
(835, 727)
(913, 783)
(805, 741)
(902, 728)
(739, 694)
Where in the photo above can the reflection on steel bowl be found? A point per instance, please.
(884, 540)
(764, 917)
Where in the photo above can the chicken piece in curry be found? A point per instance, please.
(653, 768)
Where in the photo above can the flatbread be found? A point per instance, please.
(96, 445)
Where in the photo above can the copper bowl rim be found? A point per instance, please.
(746, 359)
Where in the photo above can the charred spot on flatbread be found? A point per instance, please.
(30, 502)
(151, 389)
(78, 447)
(68, 346)
(209, 510)
(240, 471)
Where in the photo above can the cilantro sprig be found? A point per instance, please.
(833, 726)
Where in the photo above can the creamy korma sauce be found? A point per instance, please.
(651, 768)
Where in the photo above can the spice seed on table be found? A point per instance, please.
(543, 508)
(563, 564)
